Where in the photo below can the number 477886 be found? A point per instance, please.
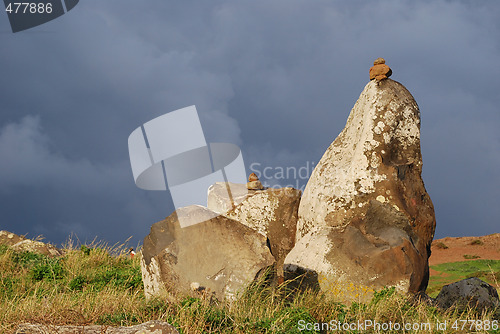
(29, 7)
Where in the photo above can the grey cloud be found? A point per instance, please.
(32, 162)
(79, 196)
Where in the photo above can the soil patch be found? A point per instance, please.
(464, 249)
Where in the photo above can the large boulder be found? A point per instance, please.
(470, 292)
(215, 255)
(365, 218)
(271, 212)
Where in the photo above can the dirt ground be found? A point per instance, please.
(487, 248)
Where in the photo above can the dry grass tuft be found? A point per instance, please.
(441, 245)
(476, 242)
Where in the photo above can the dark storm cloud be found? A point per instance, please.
(277, 78)
(48, 193)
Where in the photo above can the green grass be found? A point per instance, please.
(487, 270)
(96, 284)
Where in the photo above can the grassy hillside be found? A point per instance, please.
(97, 284)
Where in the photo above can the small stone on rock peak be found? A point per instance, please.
(380, 70)
(253, 177)
(254, 183)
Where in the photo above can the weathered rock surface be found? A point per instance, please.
(365, 218)
(37, 247)
(23, 244)
(219, 256)
(272, 212)
(224, 196)
(150, 327)
(470, 292)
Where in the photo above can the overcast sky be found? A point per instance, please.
(277, 78)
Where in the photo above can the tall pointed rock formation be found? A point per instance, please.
(365, 218)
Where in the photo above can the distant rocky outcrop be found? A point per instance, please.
(365, 218)
(150, 327)
(470, 292)
(10, 239)
(22, 244)
(217, 255)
